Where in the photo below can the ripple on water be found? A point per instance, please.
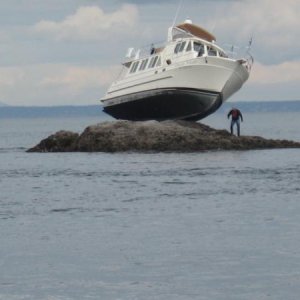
(7, 215)
(12, 149)
(80, 210)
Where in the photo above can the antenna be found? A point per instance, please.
(250, 57)
(231, 49)
(249, 44)
(177, 12)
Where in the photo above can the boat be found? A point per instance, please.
(187, 78)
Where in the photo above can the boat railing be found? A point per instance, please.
(145, 51)
(249, 61)
(235, 52)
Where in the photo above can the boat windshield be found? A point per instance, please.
(179, 47)
(199, 48)
(212, 51)
(189, 47)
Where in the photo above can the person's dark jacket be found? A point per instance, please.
(235, 114)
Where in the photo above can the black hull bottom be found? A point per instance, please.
(165, 104)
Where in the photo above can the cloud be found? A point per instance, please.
(9, 76)
(275, 25)
(275, 74)
(74, 78)
(172, 2)
(55, 84)
(91, 23)
(272, 82)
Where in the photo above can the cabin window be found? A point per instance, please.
(212, 51)
(223, 54)
(189, 47)
(199, 48)
(143, 64)
(177, 48)
(153, 61)
(182, 46)
(134, 67)
(158, 62)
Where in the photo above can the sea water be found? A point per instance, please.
(126, 226)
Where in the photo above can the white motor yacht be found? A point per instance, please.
(188, 78)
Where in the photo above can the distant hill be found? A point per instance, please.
(263, 106)
(96, 110)
(49, 112)
(2, 104)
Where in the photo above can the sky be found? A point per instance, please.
(67, 52)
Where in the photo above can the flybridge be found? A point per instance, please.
(180, 31)
(189, 29)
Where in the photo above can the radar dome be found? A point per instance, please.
(188, 21)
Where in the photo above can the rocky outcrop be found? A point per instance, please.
(168, 136)
(61, 141)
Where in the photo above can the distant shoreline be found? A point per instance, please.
(96, 110)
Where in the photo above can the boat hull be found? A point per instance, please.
(165, 104)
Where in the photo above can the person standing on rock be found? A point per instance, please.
(236, 115)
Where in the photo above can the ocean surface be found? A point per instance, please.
(129, 226)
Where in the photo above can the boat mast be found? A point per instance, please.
(177, 12)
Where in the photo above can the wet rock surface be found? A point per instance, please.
(153, 136)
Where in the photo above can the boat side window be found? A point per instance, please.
(199, 48)
(179, 47)
(143, 64)
(176, 50)
(189, 47)
(182, 47)
(158, 62)
(153, 61)
(222, 54)
(134, 67)
(212, 51)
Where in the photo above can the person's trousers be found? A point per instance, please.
(237, 123)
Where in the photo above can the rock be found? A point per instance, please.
(167, 136)
(61, 141)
